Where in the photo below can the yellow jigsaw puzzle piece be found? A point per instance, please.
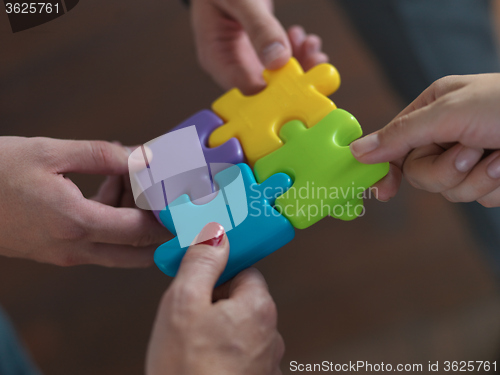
(290, 95)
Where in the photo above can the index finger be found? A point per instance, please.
(91, 157)
(247, 285)
(433, 117)
(250, 293)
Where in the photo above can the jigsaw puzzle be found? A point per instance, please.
(289, 131)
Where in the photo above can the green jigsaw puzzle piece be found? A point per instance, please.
(328, 180)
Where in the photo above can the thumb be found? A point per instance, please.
(266, 33)
(202, 265)
(93, 157)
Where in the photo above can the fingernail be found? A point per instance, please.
(314, 44)
(300, 33)
(467, 158)
(272, 52)
(136, 161)
(493, 169)
(365, 145)
(374, 192)
(212, 234)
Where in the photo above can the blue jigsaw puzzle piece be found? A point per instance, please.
(257, 229)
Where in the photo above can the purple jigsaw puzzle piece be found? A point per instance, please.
(206, 122)
(172, 164)
(198, 183)
(182, 165)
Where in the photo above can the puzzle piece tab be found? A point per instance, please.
(328, 180)
(290, 94)
(253, 236)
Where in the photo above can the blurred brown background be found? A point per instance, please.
(404, 284)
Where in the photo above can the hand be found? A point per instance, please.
(45, 217)
(236, 40)
(232, 331)
(446, 141)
